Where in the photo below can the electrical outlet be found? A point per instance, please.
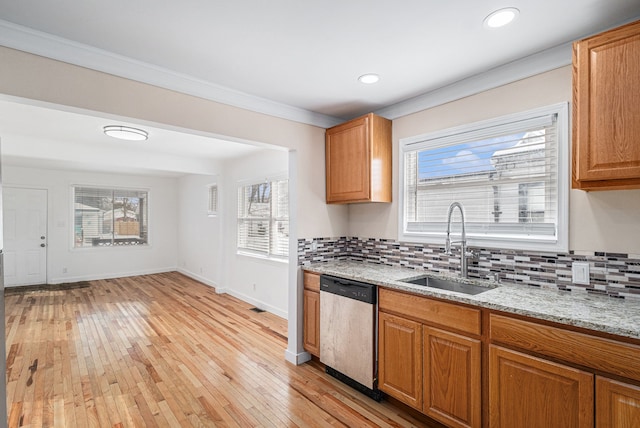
(64, 270)
(580, 273)
(254, 286)
(314, 246)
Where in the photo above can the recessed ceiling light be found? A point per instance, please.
(501, 17)
(125, 133)
(369, 78)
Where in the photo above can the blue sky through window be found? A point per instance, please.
(465, 158)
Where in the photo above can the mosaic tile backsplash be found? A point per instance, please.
(612, 274)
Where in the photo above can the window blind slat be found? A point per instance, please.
(263, 218)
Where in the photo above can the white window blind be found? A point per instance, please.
(212, 206)
(263, 218)
(110, 217)
(506, 173)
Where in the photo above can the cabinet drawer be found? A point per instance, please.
(449, 315)
(311, 281)
(608, 355)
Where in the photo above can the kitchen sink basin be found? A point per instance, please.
(444, 284)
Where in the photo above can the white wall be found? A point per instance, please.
(93, 263)
(264, 283)
(199, 236)
(598, 221)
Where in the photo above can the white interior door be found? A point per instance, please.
(25, 236)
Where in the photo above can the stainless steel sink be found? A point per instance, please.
(444, 284)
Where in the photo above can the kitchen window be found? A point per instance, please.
(263, 219)
(108, 217)
(509, 173)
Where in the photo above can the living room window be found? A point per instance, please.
(263, 219)
(510, 174)
(107, 217)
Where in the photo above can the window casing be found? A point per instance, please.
(106, 217)
(263, 219)
(509, 173)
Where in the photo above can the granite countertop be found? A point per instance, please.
(600, 313)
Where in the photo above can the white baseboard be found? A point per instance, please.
(97, 276)
(219, 290)
(243, 297)
(257, 303)
(198, 278)
(297, 359)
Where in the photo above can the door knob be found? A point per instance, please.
(43, 245)
(42, 237)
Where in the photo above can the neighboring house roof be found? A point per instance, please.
(83, 207)
(120, 214)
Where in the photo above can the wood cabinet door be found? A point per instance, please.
(525, 391)
(400, 359)
(452, 373)
(348, 158)
(311, 322)
(617, 404)
(607, 107)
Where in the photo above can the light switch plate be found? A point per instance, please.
(580, 273)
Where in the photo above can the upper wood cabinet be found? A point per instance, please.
(606, 110)
(358, 161)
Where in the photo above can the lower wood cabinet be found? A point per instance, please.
(440, 358)
(400, 359)
(435, 371)
(311, 333)
(311, 313)
(617, 404)
(452, 382)
(526, 391)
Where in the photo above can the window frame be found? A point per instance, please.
(258, 254)
(72, 191)
(561, 242)
(213, 212)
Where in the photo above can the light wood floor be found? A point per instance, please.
(164, 350)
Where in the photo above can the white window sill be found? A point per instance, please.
(262, 257)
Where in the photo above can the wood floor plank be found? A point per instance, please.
(166, 351)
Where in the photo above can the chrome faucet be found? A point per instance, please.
(463, 239)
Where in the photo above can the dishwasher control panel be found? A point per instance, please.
(348, 288)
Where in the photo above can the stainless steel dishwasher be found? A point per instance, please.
(348, 333)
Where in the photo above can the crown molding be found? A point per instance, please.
(39, 43)
(540, 62)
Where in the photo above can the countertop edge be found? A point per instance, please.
(547, 305)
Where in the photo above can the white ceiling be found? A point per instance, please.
(301, 59)
(36, 136)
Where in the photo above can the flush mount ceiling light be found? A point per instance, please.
(125, 133)
(501, 17)
(369, 78)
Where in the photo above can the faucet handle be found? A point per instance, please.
(447, 247)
